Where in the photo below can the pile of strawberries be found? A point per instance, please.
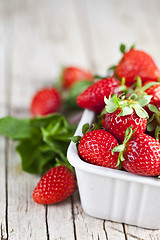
(126, 135)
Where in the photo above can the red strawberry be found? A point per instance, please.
(123, 113)
(55, 186)
(140, 154)
(155, 92)
(93, 97)
(137, 63)
(117, 125)
(45, 101)
(95, 147)
(72, 74)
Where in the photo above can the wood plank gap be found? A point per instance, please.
(7, 66)
(73, 218)
(124, 229)
(105, 230)
(6, 184)
(83, 20)
(47, 228)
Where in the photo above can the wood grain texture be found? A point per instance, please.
(36, 39)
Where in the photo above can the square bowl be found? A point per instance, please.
(113, 194)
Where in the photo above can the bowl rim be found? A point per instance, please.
(73, 158)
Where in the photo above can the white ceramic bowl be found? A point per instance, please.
(114, 194)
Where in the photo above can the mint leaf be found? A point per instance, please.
(41, 141)
(15, 129)
(32, 160)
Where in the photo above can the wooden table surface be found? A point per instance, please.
(37, 38)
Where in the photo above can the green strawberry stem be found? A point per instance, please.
(120, 148)
(154, 121)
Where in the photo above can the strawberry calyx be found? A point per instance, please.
(123, 88)
(139, 89)
(123, 48)
(154, 122)
(76, 139)
(120, 148)
(127, 106)
(87, 128)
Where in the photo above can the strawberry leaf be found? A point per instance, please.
(122, 48)
(157, 130)
(144, 100)
(111, 68)
(85, 128)
(145, 87)
(75, 139)
(141, 112)
(118, 148)
(133, 46)
(110, 105)
(152, 126)
(153, 108)
(126, 111)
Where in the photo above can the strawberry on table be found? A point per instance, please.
(93, 97)
(45, 101)
(137, 63)
(123, 113)
(55, 186)
(74, 74)
(139, 154)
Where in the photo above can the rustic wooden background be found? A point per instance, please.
(37, 38)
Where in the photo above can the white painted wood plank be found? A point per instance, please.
(46, 37)
(114, 22)
(140, 233)
(3, 205)
(114, 230)
(2, 58)
(90, 228)
(26, 220)
(3, 112)
(87, 227)
(60, 221)
(32, 69)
